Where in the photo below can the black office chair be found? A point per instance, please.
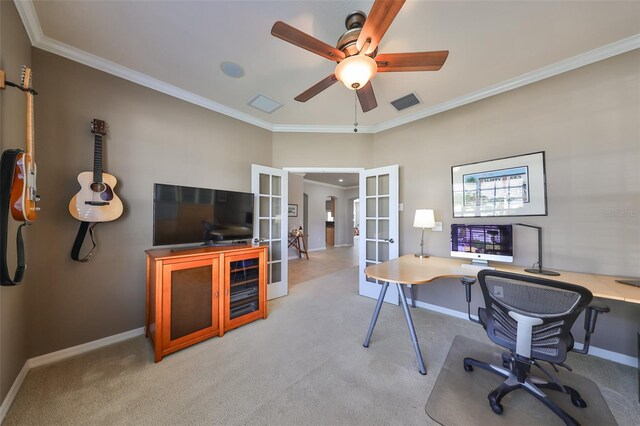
(532, 318)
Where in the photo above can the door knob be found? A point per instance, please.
(389, 240)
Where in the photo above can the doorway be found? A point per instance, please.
(326, 212)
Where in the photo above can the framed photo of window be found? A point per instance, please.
(511, 186)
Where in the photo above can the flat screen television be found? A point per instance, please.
(188, 215)
(482, 243)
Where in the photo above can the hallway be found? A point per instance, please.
(322, 262)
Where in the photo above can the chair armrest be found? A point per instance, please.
(591, 315)
(590, 318)
(467, 282)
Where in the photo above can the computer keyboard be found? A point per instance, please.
(476, 268)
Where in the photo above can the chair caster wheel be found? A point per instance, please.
(578, 402)
(468, 368)
(497, 408)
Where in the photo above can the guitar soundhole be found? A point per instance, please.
(98, 186)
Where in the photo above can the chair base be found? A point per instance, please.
(531, 384)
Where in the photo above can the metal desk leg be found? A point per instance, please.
(422, 369)
(412, 289)
(376, 312)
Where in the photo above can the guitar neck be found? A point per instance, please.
(30, 148)
(97, 159)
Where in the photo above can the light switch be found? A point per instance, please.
(438, 227)
(400, 207)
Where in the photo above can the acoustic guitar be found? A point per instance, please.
(23, 189)
(96, 201)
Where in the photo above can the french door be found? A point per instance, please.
(270, 188)
(378, 226)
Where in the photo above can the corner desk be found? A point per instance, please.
(409, 269)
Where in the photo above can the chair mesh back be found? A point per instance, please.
(558, 304)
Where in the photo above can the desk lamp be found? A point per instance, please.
(539, 269)
(424, 219)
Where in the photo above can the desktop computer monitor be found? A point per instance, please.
(482, 243)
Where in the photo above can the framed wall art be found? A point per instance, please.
(293, 210)
(511, 186)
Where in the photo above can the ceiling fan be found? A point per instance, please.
(357, 52)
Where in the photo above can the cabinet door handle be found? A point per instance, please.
(226, 292)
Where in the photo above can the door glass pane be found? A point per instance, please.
(383, 229)
(383, 185)
(275, 231)
(383, 207)
(371, 229)
(275, 254)
(264, 229)
(264, 184)
(275, 186)
(383, 251)
(371, 186)
(371, 251)
(264, 207)
(276, 276)
(371, 207)
(191, 300)
(275, 206)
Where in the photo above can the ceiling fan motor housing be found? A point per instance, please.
(347, 42)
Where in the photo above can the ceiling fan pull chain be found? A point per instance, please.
(355, 111)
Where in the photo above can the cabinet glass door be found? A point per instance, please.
(244, 287)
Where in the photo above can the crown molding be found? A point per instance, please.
(30, 20)
(595, 55)
(301, 128)
(38, 39)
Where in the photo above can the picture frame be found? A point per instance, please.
(293, 210)
(509, 186)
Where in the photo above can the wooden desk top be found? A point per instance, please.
(409, 269)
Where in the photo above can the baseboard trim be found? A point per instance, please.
(317, 249)
(13, 391)
(595, 351)
(83, 348)
(60, 355)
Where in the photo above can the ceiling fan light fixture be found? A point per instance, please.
(356, 71)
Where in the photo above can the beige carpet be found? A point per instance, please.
(305, 364)
(457, 388)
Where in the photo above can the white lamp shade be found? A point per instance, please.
(356, 71)
(424, 219)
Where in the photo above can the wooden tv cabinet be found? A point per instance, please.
(196, 294)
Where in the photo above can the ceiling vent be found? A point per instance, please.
(265, 104)
(405, 102)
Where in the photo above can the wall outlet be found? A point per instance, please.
(438, 227)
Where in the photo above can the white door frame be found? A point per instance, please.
(370, 287)
(277, 243)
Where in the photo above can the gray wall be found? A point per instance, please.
(15, 51)
(152, 138)
(586, 121)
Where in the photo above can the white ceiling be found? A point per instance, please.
(349, 180)
(177, 47)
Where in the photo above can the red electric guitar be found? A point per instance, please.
(23, 190)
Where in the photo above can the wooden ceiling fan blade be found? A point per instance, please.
(382, 14)
(316, 88)
(416, 61)
(367, 98)
(294, 36)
